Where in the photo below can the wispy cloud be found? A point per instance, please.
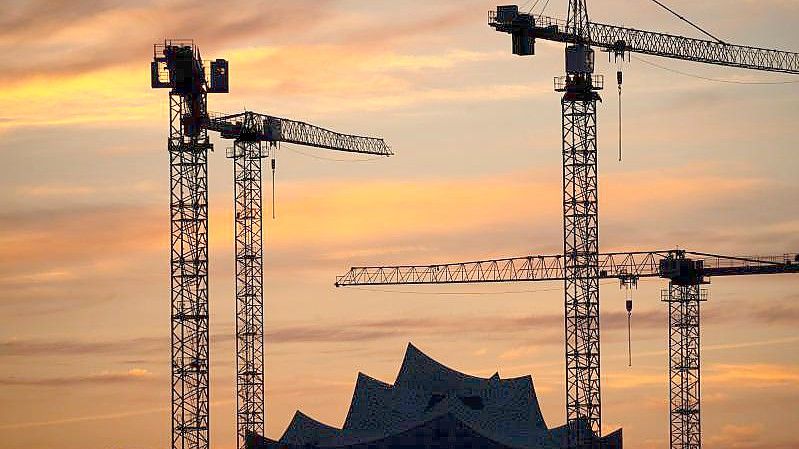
(104, 378)
(753, 375)
(67, 347)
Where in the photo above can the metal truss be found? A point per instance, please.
(581, 271)
(684, 365)
(188, 153)
(620, 39)
(248, 232)
(578, 19)
(637, 264)
(261, 127)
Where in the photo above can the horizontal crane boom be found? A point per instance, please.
(267, 128)
(620, 40)
(618, 265)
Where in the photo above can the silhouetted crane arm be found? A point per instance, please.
(620, 40)
(267, 128)
(550, 268)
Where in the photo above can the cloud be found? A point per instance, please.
(91, 64)
(752, 375)
(627, 380)
(737, 436)
(777, 312)
(60, 38)
(519, 352)
(67, 347)
(104, 378)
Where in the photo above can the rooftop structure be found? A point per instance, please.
(432, 406)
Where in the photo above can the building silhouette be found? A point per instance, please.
(432, 406)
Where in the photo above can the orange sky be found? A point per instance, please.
(84, 294)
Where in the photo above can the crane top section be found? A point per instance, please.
(253, 126)
(526, 28)
(680, 266)
(177, 65)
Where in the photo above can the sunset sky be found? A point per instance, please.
(84, 289)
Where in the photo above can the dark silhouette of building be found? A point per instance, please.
(432, 406)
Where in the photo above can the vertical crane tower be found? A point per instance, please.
(581, 233)
(580, 213)
(177, 66)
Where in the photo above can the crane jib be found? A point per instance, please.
(618, 39)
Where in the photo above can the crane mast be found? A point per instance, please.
(177, 66)
(581, 234)
(248, 246)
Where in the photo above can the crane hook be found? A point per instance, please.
(628, 282)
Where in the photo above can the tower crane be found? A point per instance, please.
(254, 136)
(581, 264)
(580, 88)
(178, 66)
(685, 270)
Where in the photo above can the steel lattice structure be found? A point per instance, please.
(577, 22)
(621, 39)
(177, 66)
(188, 164)
(269, 128)
(684, 364)
(581, 268)
(248, 231)
(539, 268)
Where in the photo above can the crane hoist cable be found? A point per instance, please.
(629, 282)
(619, 77)
(273, 186)
(706, 78)
(688, 22)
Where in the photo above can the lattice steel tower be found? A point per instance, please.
(581, 233)
(247, 155)
(684, 297)
(177, 65)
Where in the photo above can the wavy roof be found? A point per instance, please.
(503, 410)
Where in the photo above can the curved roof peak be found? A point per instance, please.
(365, 378)
(418, 367)
(305, 430)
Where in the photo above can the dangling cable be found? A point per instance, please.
(274, 153)
(619, 79)
(628, 282)
(675, 13)
(273, 187)
(629, 305)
